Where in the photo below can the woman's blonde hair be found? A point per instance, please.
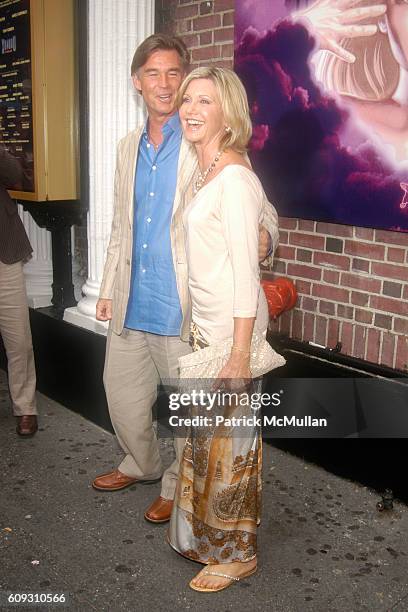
(375, 74)
(233, 101)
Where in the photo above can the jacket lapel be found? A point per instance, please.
(130, 165)
(187, 164)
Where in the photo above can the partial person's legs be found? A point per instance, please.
(131, 379)
(16, 334)
(166, 351)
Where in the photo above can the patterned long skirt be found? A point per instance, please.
(218, 496)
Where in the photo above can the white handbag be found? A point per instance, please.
(207, 362)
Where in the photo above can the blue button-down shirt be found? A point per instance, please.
(154, 304)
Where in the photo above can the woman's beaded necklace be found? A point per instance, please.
(202, 176)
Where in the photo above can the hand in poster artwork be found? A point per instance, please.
(334, 20)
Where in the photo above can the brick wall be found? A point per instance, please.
(352, 282)
(207, 28)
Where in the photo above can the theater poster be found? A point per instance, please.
(327, 82)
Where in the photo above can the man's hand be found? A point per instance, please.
(265, 244)
(333, 20)
(104, 310)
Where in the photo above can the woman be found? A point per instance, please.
(216, 509)
(364, 57)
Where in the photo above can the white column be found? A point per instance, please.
(38, 270)
(115, 29)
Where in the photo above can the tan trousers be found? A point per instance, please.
(134, 364)
(16, 334)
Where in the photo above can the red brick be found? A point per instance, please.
(304, 255)
(309, 303)
(306, 225)
(225, 63)
(321, 330)
(388, 349)
(285, 252)
(363, 316)
(357, 281)
(333, 333)
(207, 23)
(283, 237)
(303, 287)
(399, 307)
(346, 338)
(360, 338)
(401, 360)
(364, 249)
(373, 345)
(206, 38)
(392, 289)
(279, 267)
(401, 326)
(308, 326)
(359, 299)
(185, 26)
(285, 322)
(405, 293)
(400, 238)
(381, 320)
(334, 245)
(346, 312)
(390, 271)
(331, 259)
(331, 276)
(287, 223)
(306, 240)
(224, 5)
(191, 40)
(327, 308)
(297, 324)
(303, 271)
(364, 233)
(395, 255)
(227, 50)
(228, 19)
(206, 53)
(182, 12)
(225, 34)
(331, 293)
(362, 265)
(332, 229)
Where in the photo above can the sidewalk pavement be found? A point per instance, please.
(324, 547)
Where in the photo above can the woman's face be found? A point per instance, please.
(201, 114)
(397, 18)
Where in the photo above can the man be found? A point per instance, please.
(144, 290)
(14, 318)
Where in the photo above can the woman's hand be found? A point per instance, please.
(333, 20)
(235, 375)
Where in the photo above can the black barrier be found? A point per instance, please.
(288, 408)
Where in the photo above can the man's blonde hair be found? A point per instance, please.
(234, 104)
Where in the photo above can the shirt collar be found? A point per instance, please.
(172, 124)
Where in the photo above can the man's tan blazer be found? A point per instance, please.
(117, 272)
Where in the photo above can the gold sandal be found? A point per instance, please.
(231, 579)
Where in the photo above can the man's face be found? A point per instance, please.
(159, 80)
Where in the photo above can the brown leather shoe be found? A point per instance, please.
(159, 511)
(113, 481)
(27, 425)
